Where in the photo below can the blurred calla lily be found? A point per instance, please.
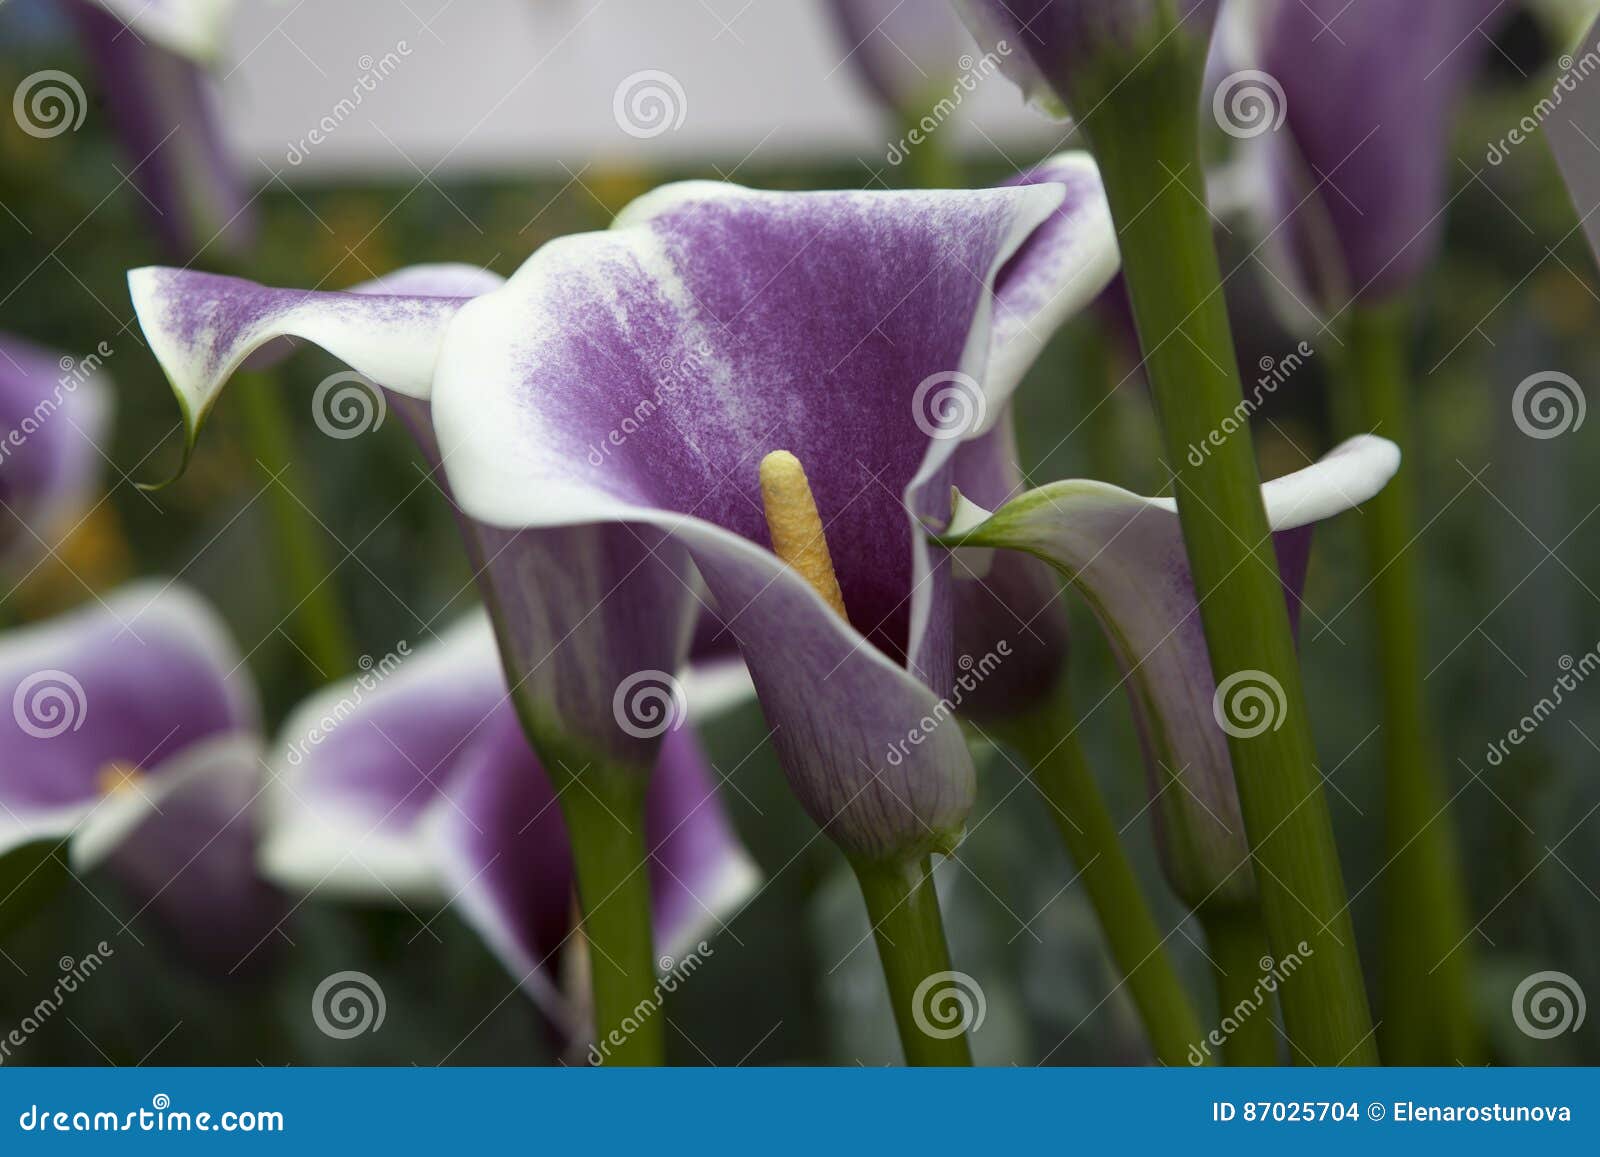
(604, 416)
(417, 782)
(1125, 554)
(1368, 91)
(152, 60)
(54, 413)
(1066, 53)
(907, 52)
(132, 738)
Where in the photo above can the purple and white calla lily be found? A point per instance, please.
(751, 322)
(1125, 554)
(416, 783)
(133, 739)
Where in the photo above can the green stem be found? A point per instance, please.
(1241, 962)
(604, 811)
(1427, 968)
(929, 165)
(904, 910)
(1146, 137)
(319, 624)
(1135, 942)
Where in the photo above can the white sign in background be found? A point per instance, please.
(318, 89)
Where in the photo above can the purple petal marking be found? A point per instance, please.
(164, 109)
(1370, 89)
(136, 680)
(203, 326)
(54, 414)
(1125, 554)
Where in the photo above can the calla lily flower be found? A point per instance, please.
(1069, 51)
(152, 59)
(54, 413)
(417, 783)
(906, 52)
(604, 415)
(1125, 554)
(1369, 90)
(132, 738)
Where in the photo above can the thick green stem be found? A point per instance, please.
(1242, 964)
(1045, 739)
(933, 1006)
(319, 624)
(1427, 967)
(1145, 135)
(604, 811)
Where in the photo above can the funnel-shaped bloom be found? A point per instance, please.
(1125, 554)
(151, 60)
(1067, 53)
(54, 414)
(1369, 89)
(604, 413)
(132, 739)
(417, 782)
